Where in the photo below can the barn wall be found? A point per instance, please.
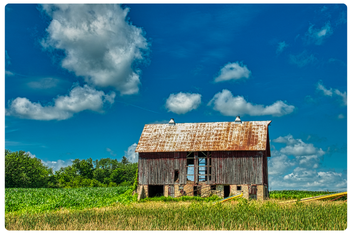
(228, 167)
(237, 167)
(159, 168)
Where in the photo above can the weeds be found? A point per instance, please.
(153, 215)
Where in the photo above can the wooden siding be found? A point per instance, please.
(227, 167)
(159, 168)
(237, 167)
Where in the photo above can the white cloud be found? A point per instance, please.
(233, 71)
(182, 103)
(297, 165)
(341, 116)
(333, 93)
(301, 149)
(30, 154)
(110, 151)
(317, 36)
(79, 99)
(99, 43)
(44, 83)
(130, 154)
(302, 59)
(281, 46)
(342, 96)
(229, 105)
(9, 73)
(309, 179)
(289, 140)
(326, 92)
(279, 164)
(56, 165)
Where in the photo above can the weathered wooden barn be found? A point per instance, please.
(201, 159)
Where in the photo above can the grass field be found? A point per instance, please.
(104, 213)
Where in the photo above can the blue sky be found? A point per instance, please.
(81, 81)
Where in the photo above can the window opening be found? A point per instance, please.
(190, 166)
(212, 187)
(204, 166)
(239, 188)
(176, 176)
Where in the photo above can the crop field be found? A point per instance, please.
(296, 194)
(99, 209)
(22, 200)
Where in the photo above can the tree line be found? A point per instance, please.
(23, 171)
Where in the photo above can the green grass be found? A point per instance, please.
(239, 215)
(115, 208)
(297, 194)
(45, 199)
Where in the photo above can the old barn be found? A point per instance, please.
(201, 159)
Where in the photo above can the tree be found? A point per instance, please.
(125, 172)
(84, 167)
(22, 171)
(125, 160)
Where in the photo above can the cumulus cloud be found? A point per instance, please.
(64, 107)
(228, 105)
(99, 44)
(305, 153)
(311, 179)
(300, 149)
(182, 103)
(288, 140)
(56, 165)
(279, 164)
(130, 154)
(297, 165)
(317, 36)
(332, 93)
(233, 71)
(30, 154)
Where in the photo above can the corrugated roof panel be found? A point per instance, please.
(216, 136)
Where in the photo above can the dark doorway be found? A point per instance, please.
(176, 176)
(226, 191)
(196, 190)
(155, 190)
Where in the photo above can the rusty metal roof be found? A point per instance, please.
(215, 136)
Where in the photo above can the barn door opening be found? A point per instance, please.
(171, 191)
(226, 191)
(155, 190)
(253, 191)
